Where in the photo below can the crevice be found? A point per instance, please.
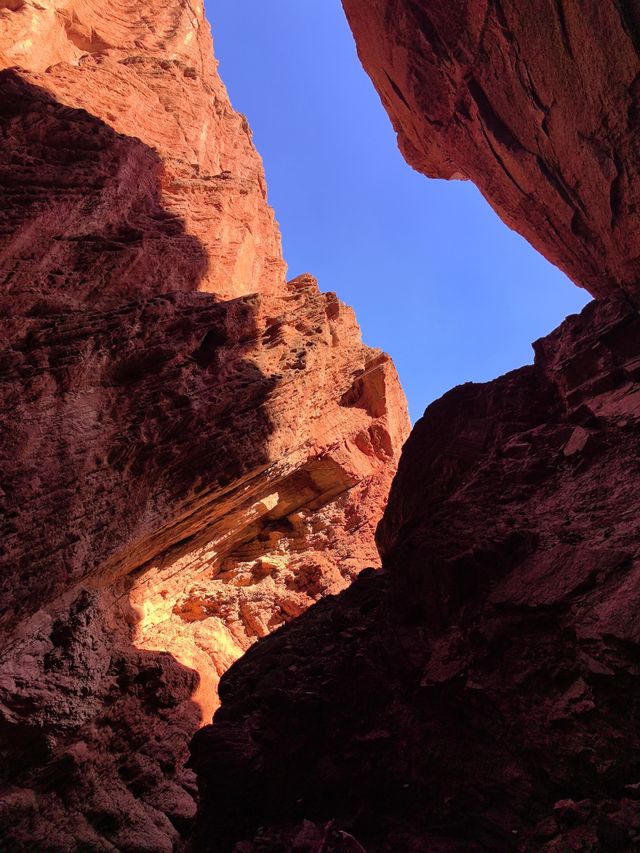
(500, 161)
(398, 91)
(564, 31)
(630, 20)
(580, 228)
(558, 183)
(615, 191)
(490, 118)
(501, 19)
(427, 27)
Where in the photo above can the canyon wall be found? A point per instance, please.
(193, 451)
(536, 103)
(482, 692)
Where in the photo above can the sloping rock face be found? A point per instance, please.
(536, 103)
(147, 72)
(193, 450)
(482, 692)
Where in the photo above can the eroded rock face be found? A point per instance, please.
(536, 103)
(193, 449)
(148, 72)
(482, 692)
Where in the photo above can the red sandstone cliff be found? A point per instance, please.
(193, 450)
(482, 692)
(536, 103)
(147, 71)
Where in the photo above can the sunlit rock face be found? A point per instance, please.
(536, 103)
(482, 692)
(193, 450)
(148, 72)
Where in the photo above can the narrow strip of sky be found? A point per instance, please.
(436, 279)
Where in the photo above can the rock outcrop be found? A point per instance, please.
(482, 692)
(193, 450)
(148, 73)
(536, 103)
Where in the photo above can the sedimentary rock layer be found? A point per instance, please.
(482, 692)
(192, 451)
(536, 103)
(148, 72)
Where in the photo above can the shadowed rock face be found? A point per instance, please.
(482, 692)
(193, 450)
(536, 103)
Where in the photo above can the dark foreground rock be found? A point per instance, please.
(483, 693)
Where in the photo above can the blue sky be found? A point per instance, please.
(436, 279)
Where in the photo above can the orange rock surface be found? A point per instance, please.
(148, 71)
(192, 450)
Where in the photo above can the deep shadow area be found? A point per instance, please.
(126, 401)
(93, 734)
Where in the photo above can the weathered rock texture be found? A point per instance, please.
(148, 72)
(482, 692)
(537, 103)
(192, 450)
